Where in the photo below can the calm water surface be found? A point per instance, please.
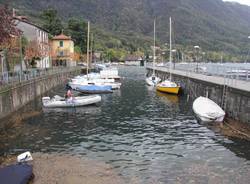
(147, 137)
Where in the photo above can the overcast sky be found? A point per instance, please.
(247, 2)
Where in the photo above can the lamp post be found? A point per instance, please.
(196, 48)
(248, 50)
(174, 51)
(203, 57)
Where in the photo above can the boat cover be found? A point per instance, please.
(95, 88)
(16, 174)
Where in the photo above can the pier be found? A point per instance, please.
(231, 94)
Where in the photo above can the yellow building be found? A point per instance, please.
(62, 51)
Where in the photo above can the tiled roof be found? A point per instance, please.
(61, 37)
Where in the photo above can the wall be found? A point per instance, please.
(237, 103)
(16, 96)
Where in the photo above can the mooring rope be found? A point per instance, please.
(238, 131)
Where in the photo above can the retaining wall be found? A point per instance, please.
(15, 96)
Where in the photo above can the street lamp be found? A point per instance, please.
(174, 51)
(248, 51)
(196, 48)
(203, 57)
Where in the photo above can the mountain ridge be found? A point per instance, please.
(213, 24)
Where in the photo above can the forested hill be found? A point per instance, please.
(212, 24)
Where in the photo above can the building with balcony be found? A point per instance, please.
(62, 51)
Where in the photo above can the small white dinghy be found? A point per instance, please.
(58, 101)
(207, 110)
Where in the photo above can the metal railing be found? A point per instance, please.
(8, 78)
(227, 70)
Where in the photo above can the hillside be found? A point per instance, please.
(212, 24)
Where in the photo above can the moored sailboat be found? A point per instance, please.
(153, 80)
(168, 86)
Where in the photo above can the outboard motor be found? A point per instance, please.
(68, 87)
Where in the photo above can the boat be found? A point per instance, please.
(238, 73)
(16, 174)
(58, 101)
(78, 82)
(207, 110)
(168, 86)
(94, 89)
(153, 80)
(110, 73)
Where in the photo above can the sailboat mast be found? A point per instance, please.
(170, 42)
(154, 51)
(88, 50)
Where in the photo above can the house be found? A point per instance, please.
(36, 36)
(133, 60)
(62, 49)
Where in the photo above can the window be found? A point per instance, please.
(61, 43)
(61, 53)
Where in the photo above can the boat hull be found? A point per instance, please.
(207, 110)
(94, 89)
(74, 102)
(171, 90)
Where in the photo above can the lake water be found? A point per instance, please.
(146, 136)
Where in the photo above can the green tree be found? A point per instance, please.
(52, 22)
(77, 29)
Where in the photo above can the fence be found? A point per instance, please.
(227, 70)
(8, 78)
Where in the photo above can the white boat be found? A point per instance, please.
(153, 80)
(58, 101)
(207, 110)
(242, 73)
(76, 83)
(110, 73)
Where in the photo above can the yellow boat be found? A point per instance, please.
(168, 87)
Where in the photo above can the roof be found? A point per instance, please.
(61, 37)
(24, 19)
(133, 58)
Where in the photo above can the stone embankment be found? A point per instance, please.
(16, 95)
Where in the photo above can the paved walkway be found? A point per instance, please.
(233, 83)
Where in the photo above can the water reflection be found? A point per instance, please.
(174, 99)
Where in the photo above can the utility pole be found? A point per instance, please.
(91, 49)
(88, 50)
(21, 58)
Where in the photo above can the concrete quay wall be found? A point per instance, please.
(15, 96)
(237, 101)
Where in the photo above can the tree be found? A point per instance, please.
(77, 29)
(32, 52)
(51, 21)
(8, 29)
